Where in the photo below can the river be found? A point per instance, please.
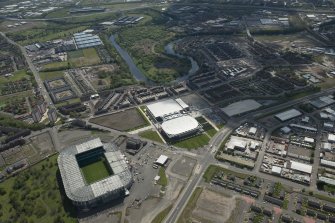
(137, 73)
(194, 65)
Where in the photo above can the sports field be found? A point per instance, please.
(84, 57)
(96, 171)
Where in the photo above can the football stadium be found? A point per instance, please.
(94, 173)
(174, 123)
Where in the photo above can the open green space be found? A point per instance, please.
(50, 75)
(152, 135)
(163, 181)
(162, 215)
(327, 83)
(68, 102)
(95, 171)
(55, 66)
(36, 195)
(145, 43)
(212, 170)
(18, 75)
(187, 212)
(193, 142)
(84, 57)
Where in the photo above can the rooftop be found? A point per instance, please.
(241, 107)
(287, 115)
(166, 107)
(180, 125)
(74, 183)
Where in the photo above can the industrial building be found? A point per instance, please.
(85, 40)
(322, 102)
(241, 107)
(287, 115)
(86, 196)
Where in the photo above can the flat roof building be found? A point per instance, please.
(302, 167)
(159, 110)
(241, 107)
(322, 102)
(85, 40)
(162, 159)
(331, 138)
(287, 115)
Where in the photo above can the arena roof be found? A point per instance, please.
(287, 115)
(163, 108)
(302, 167)
(179, 125)
(74, 183)
(241, 107)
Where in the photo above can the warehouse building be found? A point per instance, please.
(288, 115)
(86, 196)
(85, 40)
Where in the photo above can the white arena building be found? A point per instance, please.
(181, 126)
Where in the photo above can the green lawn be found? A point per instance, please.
(194, 142)
(85, 57)
(211, 132)
(163, 179)
(68, 102)
(212, 170)
(56, 66)
(18, 75)
(50, 75)
(152, 135)
(96, 171)
(187, 212)
(161, 216)
(34, 196)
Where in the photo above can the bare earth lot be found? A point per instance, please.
(122, 121)
(213, 207)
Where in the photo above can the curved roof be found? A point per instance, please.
(180, 125)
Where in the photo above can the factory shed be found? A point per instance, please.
(162, 159)
(287, 115)
(302, 167)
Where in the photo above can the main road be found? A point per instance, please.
(215, 143)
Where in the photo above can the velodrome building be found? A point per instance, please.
(84, 195)
(172, 118)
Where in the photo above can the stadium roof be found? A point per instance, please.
(241, 107)
(287, 115)
(180, 125)
(163, 108)
(302, 167)
(75, 185)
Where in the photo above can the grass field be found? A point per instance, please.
(152, 135)
(162, 215)
(96, 171)
(127, 120)
(85, 57)
(212, 170)
(187, 212)
(34, 196)
(56, 66)
(194, 142)
(18, 75)
(50, 75)
(163, 181)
